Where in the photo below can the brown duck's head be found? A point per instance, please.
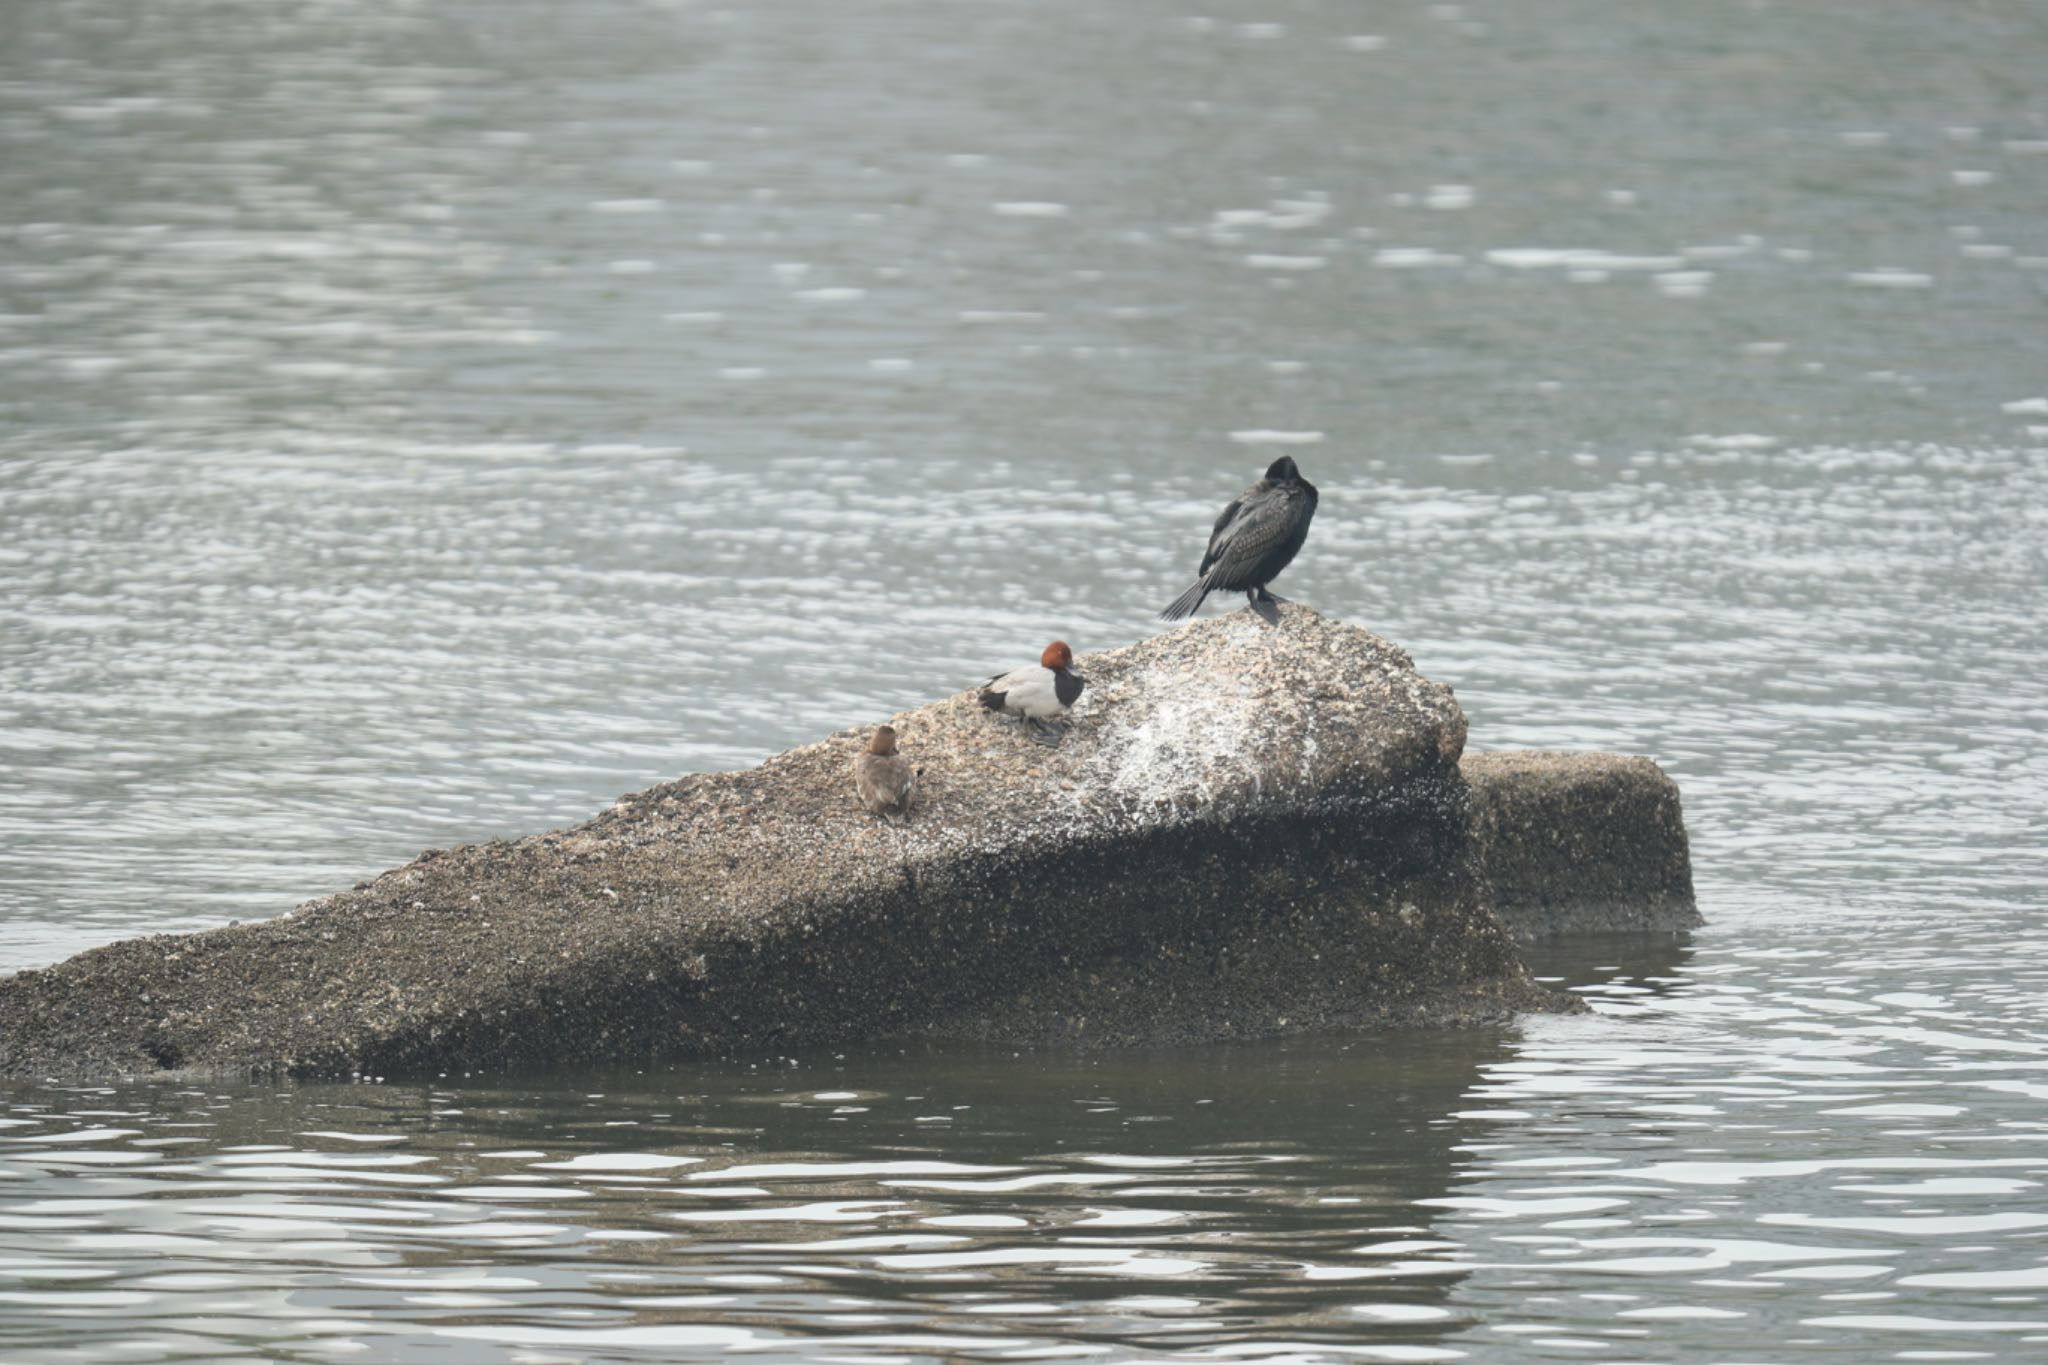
(1056, 656)
(884, 742)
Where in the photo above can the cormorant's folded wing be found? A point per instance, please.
(1219, 535)
(1263, 524)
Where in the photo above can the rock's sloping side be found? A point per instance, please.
(1248, 829)
(1577, 843)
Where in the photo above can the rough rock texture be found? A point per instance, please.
(1248, 830)
(1577, 843)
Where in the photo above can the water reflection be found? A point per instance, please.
(950, 1203)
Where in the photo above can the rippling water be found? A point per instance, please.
(1758, 1140)
(424, 423)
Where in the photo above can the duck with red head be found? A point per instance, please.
(884, 778)
(1041, 693)
(1257, 536)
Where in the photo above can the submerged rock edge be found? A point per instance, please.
(1581, 843)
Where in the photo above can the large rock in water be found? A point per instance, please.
(1248, 830)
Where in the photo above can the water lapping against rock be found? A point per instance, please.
(1753, 1138)
(936, 1203)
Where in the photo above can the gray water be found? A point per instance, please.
(423, 423)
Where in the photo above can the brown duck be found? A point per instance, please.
(884, 778)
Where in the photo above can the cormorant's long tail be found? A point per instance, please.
(1185, 604)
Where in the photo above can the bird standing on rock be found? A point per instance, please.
(1257, 536)
(1039, 692)
(884, 778)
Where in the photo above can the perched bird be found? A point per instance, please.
(1256, 537)
(1039, 692)
(884, 778)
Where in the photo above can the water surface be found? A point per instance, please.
(424, 423)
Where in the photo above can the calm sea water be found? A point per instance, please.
(423, 423)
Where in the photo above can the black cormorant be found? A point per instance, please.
(1257, 536)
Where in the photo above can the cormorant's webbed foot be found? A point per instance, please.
(1262, 602)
